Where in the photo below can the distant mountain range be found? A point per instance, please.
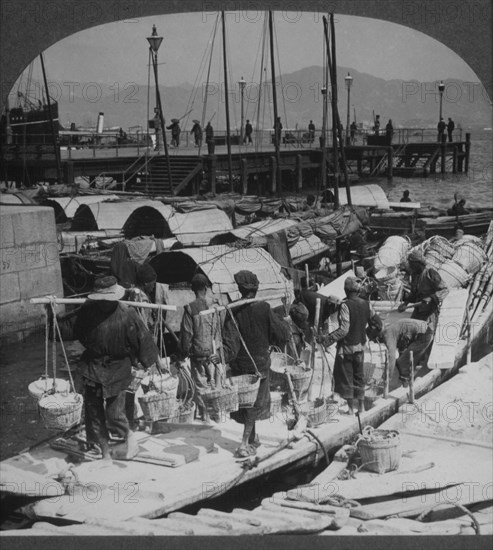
(407, 103)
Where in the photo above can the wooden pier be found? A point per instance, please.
(254, 169)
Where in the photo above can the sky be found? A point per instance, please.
(118, 52)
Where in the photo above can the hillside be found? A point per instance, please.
(407, 103)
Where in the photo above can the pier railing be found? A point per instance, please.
(93, 145)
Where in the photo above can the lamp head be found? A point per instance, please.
(349, 81)
(154, 40)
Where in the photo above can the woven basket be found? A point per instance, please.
(184, 414)
(332, 408)
(299, 376)
(137, 377)
(156, 405)
(381, 455)
(247, 386)
(43, 386)
(315, 411)
(223, 400)
(59, 411)
(279, 361)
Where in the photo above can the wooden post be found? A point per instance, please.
(299, 172)
(460, 155)
(468, 149)
(273, 173)
(244, 176)
(212, 173)
(390, 167)
(411, 378)
(442, 154)
(454, 160)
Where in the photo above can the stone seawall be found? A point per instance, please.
(29, 268)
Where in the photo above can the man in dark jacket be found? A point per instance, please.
(427, 290)
(354, 316)
(114, 337)
(197, 336)
(249, 331)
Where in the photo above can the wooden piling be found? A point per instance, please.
(390, 167)
(299, 173)
(212, 172)
(468, 149)
(443, 157)
(454, 160)
(244, 176)
(273, 173)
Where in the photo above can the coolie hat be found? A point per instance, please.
(107, 288)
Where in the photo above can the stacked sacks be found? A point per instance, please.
(392, 253)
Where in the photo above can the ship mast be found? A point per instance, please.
(277, 133)
(52, 124)
(228, 131)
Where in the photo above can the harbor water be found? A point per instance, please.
(438, 190)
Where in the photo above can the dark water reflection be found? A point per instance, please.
(476, 186)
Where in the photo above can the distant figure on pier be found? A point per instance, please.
(209, 138)
(311, 131)
(389, 131)
(248, 132)
(405, 196)
(175, 132)
(441, 127)
(197, 133)
(450, 129)
(458, 209)
(277, 131)
(352, 132)
(376, 127)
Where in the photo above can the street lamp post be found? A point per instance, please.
(154, 44)
(441, 88)
(349, 82)
(242, 84)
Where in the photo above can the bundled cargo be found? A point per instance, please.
(393, 252)
(469, 256)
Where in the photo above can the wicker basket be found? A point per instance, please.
(299, 376)
(332, 408)
(59, 411)
(156, 405)
(43, 386)
(315, 411)
(279, 361)
(137, 377)
(247, 386)
(184, 414)
(382, 454)
(223, 400)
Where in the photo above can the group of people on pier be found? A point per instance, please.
(116, 338)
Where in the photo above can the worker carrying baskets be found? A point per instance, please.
(249, 331)
(114, 337)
